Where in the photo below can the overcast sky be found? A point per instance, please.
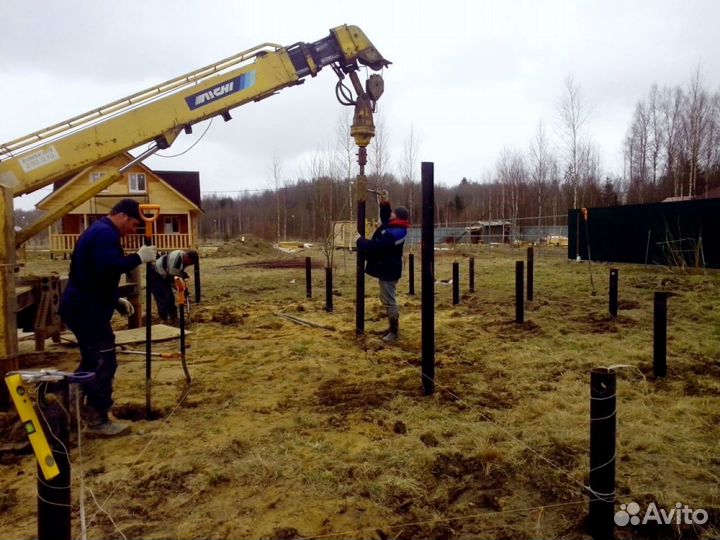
(470, 77)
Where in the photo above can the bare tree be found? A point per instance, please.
(637, 143)
(346, 154)
(322, 170)
(695, 126)
(711, 161)
(541, 163)
(573, 114)
(671, 101)
(408, 168)
(276, 173)
(378, 151)
(512, 175)
(656, 131)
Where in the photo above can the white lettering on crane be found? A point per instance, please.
(242, 82)
(214, 93)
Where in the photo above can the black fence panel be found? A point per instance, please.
(685, 233)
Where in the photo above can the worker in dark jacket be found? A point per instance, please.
(166, 269)
(89, 300)
(383, 254)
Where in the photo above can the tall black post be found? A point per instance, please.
(602, 453)
(660, 334)
(360, 270)
(411, 274)
(53, 496)
(456, 283)
(427, 277)
(530, 272)
(328, 289)
(471, 274)
(613, 292)
(196, 271)
(308, 277)
(148, 335)
(519, 293)
(182, 300)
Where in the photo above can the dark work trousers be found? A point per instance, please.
(163, 292)
(97, 349)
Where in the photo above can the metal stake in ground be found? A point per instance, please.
(471, 274)
(181, 299)
(530, 272)
(328, 288)
(362, 130)
(660, 334)
(602, 453)
(54, 501)
(587, 241)
(519, 293)
(456, 283)
(428, 277)
(613, 291)
(196, 271)
(308, 277)
(149, 214)
(411, 274)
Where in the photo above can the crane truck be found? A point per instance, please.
(156, 117)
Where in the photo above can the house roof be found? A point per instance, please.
(187, 183)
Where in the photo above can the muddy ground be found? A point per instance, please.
(292, 430)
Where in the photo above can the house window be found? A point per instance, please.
(95, 177)
(138, 183)
(171, 225)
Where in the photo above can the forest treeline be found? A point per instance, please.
(671, 149)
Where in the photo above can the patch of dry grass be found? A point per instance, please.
(292, 430)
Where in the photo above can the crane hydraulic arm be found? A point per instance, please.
(160, 113)
(157, 116)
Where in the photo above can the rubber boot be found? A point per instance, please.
(394, 330)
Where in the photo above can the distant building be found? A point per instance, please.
(712, 194)
(490, 232)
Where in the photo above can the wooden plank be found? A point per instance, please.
(160, 332)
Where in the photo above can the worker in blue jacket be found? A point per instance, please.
(87, 304)
(383, 254)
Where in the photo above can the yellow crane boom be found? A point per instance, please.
(157, 115)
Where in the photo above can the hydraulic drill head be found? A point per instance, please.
(363, 127)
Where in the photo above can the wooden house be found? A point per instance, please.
(177, 193)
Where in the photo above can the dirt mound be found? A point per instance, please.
(244, 246)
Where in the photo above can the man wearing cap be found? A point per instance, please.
(166, 269)
(88, 302)
(383, 253)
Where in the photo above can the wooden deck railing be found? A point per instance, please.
(65, 243)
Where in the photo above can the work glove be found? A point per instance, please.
(147, 254)
(382, 197)
(124, 307)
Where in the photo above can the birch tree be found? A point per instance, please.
(409, 168)
(539, 168)
(573, 113)
(695, 126)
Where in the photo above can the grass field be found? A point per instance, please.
(293, 431)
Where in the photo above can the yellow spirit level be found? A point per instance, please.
(34, 430)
